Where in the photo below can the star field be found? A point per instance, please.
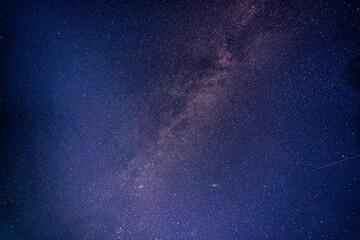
(180, 120)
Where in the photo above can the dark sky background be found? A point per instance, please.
(180, 120)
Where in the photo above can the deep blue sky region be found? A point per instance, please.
(180, 119)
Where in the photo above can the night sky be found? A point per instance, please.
(180, 119)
